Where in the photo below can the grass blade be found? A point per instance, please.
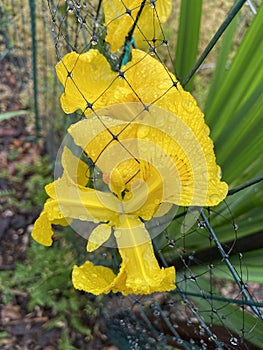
(8, 115)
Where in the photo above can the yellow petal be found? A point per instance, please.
(173, 157)
(83, 203)
(75, 168)
(140, 272)
(42, 230)
(88, 79)
(184, 159)
(92, 279)
(98, 236)
(118, 22)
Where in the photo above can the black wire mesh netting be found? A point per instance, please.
(216, 304)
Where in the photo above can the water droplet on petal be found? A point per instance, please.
(143, 131)
(214, 198)
(188, 105)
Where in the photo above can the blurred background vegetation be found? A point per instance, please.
(218, 301)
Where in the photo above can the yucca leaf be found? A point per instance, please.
(222, 60)
(245, 73)
(188, 38)
(249, 265)
(229, 315)
(232, 13)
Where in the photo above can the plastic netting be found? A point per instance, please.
(215, 304)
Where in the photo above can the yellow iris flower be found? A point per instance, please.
(139, 188)
(149, 139)
(120, 17)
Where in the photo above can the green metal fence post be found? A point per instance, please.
(32, 7)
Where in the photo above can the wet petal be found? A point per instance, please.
(76, 169)
(98, 236)
(140, 272)
(118, 22)
(88, 79)
(78, 202)
(42, 231)
(75, 172)
(92, 279)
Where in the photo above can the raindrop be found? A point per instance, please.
(213, 337)
(152, 51)
(193, 277)
(189, 106)
(201, 224)
(171, 243)
(143, 131)
(235, 226)
(160, 337)
(122, 322)
(70, 9)
(211, 266)
(201, 331)
(156, 313)
(214, 198)
(233, 341)
(152, 4)
(94, 40)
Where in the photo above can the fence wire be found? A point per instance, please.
(214, 305)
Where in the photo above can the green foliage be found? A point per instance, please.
(33, 177)
(65, 343)
(234, 112)
(188, 38)
(8, 115)
(45, 276)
